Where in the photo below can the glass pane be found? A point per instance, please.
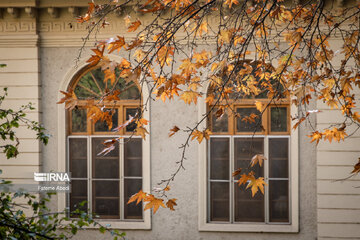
(133, 157)
(279, 200)
(248, 208)
(249, 120)
(132, 211)
(88, 85)
(278, 119)
(101, 126)
(130, 112)
(105, 188)
(104, 166)
(219, 158)
(78, 195)
(78, 157)
(106, 198)
(106, 208)
(132, 91)
(219, 124)
(78, 120)
(244, 150)
(219, 201)
(279, 157)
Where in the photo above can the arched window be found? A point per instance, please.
(240, 133)
(105, 181)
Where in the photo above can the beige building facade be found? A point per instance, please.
(39, 42)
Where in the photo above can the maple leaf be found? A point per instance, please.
(258, 158)
(316, 136)
(190, 96)
(171, 203)
(259, 106)
(95, 59)
(201, 135)
(256, 184)
(69, 99)
(109, 74)
(243, 179)
(203, 27)
(142, 132)
(94, 113)
(173, 131)
(138, 197)
(153, 203)
(133, 26)
(116, 45)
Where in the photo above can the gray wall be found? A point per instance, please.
(183, 223)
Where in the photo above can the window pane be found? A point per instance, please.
(78, 195)
(248, 208)
(104, 166)
(279, 200)
(279, 157)
(106, 198)
(78, 120)
(133, 157)
(249, 120)
(219, 158)
(132, 211)
(219, 124)
(101, 126)
(132, 91)
(132, 112)
(278, 119)
(244, 150)
(219, 201)
(78, 157)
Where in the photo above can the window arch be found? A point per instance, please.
(241, 132)
(107, 181)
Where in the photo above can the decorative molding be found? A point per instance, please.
(74, 11)
(54, 12)
(30, 11)
(14, 12)
(17, 27)
(24, 40)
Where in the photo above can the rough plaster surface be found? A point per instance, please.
(183, 223)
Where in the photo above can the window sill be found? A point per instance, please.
(239, 227)
(123, 225)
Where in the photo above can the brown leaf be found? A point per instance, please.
(171, 203)
(173, 131)
(258, 158)
(133, 26)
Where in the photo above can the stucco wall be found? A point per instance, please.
(183, 223)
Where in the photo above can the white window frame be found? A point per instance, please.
(203, 223)
(145, 224)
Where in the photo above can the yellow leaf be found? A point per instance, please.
(259, 106)
(153, 203)
(256, 184)
(231, 2)
(316, 136)
(258, 158)
(190, 96)
(141, 131)
(138, 197)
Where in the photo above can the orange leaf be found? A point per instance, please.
(190, 96)
(173, 131)
(256, 184)
(258, 158)
(138, 197)
(133, 26)
(171, 203)
(142, 132)
(95, 59)
(154, 203)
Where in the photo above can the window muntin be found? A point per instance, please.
(106, 182)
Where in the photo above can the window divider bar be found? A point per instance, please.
(121, 178)
(208, 202)
(89, 176)
(231, 182)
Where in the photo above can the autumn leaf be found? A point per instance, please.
(138, 197)
(141, 131)
(116, 45)
(69, 99)
(258, 158)
(190, 96)
(133, 26)
(201, 135)
(231, 2)
(256, 184)
(259, 106)
(153, 203)
(109, 75)
(356, 167)
(237, 172)
(244, 178)
(171, 203)
(316, 136)
(173, 131)
(95, 59)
